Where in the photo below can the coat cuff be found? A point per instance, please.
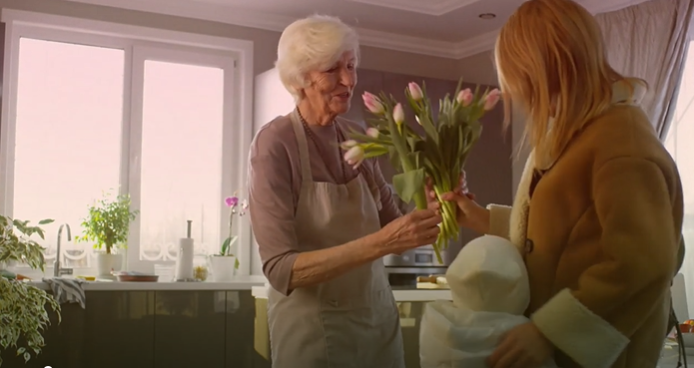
(581, 334)
(499, 220)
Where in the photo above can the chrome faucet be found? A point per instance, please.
(57, 270)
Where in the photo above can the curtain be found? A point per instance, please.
(649, 41)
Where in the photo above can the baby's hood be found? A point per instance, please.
(489, 275)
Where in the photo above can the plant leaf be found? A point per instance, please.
(225, 246)
(407, 184)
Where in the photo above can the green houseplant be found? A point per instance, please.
(108, 225)
(22, 306)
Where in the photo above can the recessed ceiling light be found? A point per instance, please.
(487, 16)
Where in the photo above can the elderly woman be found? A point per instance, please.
(323, 226)
(598, 214)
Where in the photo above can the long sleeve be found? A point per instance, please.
(499, 220)
(272, 210)
(639, 243)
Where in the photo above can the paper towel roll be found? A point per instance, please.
(184, 262)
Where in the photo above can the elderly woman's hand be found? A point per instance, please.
(413, 230)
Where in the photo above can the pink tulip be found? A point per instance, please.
(346, 145)
(373, 103)
(372, 132)
(465, 97)
(355, 156)
(398, 114)
(492, 99)
(415, 91)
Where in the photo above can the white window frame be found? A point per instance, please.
(154, 44)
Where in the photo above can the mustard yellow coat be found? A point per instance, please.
(600, 235)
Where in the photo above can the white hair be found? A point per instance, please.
(309, 44)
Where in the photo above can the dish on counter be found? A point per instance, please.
(134, 276)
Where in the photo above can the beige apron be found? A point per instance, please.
(352, 320)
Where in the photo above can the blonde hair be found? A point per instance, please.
(309, 44)
(551, 60)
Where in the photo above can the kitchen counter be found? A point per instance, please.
(401, 295)
(239, 283)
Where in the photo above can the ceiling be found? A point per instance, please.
(445, 28)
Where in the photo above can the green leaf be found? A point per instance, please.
(225, 246)
(408, 184)
(236, 263)
(46, 221)
(375, 151)
(394, 158)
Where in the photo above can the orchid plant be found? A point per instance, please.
(236, 207)
(439, 155)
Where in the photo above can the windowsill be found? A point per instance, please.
(238, 283)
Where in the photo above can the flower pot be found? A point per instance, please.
(106, 263)
(223, 268)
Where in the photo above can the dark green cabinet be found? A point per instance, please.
(150, 329)
(190, 329)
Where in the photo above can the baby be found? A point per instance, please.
(490, 292)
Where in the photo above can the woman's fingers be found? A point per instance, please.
(504, 355)
(451, 196)
(431, 234)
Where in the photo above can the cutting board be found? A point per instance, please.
(432, 282)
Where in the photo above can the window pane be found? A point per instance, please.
(181, 157)
(68, 135)
(679, 143)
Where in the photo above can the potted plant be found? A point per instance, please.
(108, 225)
(225, 263)
(22, 306)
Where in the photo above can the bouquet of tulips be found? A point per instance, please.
(439, 155)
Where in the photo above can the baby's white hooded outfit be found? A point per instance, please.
(490, 292)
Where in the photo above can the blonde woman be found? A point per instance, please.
(598, 214)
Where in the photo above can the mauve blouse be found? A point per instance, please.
(275, 182)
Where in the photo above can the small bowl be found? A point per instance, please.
(138, 278)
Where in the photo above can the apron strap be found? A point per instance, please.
(306, 175)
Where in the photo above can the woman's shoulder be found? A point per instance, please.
(624, 131)
(273, 137)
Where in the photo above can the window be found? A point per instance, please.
(162, 116)
(182, 148)
(679, 143)
(67, 134)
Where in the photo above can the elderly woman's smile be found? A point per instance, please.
(328, 92)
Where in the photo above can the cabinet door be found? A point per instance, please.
(119, 329)
(240, 335)
(189, 329)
